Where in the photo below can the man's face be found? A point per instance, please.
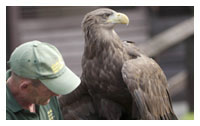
(40, 94)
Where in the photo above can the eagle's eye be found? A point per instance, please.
(106, 15)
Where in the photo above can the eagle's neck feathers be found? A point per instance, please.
(98, 40)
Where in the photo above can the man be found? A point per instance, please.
(37, 75)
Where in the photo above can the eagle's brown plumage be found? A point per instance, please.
(118, 80)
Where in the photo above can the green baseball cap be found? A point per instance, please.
(43, 61)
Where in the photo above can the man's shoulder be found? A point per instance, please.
(9, 114)
(54, 101)
(56, 107)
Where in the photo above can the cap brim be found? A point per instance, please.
(64, 84)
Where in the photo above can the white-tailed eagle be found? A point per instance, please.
(118, 80)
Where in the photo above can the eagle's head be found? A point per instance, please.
(103, 18)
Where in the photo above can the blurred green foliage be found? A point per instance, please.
(188, 116)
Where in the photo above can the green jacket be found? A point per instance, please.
(14, 111)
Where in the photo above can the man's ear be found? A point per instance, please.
(24, 85)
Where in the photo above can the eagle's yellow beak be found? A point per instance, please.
(118, 18)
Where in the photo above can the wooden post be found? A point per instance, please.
(190, 69)
(12, 33)
(168, 38)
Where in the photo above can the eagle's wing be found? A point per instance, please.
(77, 105)
(132, 49)
(148, 86)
